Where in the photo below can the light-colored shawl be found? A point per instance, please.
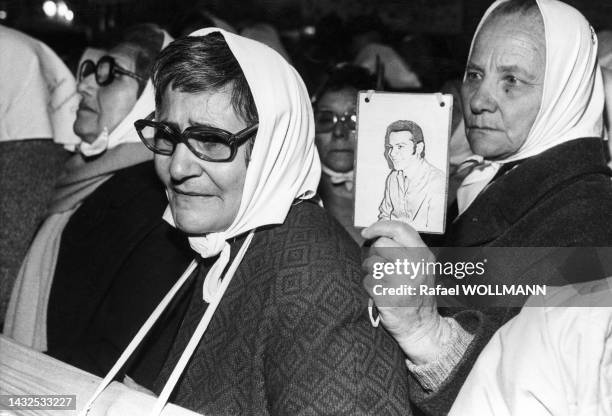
(552, 359)
(26, 319)
(284, 166)
(572, 99)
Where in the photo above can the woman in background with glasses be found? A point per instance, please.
(335, 107)
(95, 269)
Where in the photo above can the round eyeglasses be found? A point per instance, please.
(207, 143)
(105, 70)
(325, 121)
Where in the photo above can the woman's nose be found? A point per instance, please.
(340, 130)
(184, 164)
(483, 99)
(87, 84)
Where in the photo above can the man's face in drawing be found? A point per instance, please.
(401, 149)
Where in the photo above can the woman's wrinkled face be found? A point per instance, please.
(503, 85)
(204, 196)
(105, 107)
(337, 147)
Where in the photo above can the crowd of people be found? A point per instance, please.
(184, 222)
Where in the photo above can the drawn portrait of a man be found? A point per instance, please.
(414, 189)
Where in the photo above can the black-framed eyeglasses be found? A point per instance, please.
(105, 70)
(207, 143)
(325, 120)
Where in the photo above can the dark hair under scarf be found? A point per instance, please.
(196, 64)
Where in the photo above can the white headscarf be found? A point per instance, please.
(268, 35)
(125, 131)
(337, 178)
(284, 163)
(38, 97)
(572, 99)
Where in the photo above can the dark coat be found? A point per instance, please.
(291, 334)
(116, 261)
(560, 198)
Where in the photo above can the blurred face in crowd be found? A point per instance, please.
(401, 150)
(204, 196)
(503, 85)
(336, 143)
(106, 106)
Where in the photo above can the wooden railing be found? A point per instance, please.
(24, 371)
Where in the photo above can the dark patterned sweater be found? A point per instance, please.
(291, 335)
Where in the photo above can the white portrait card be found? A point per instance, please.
(401, 167)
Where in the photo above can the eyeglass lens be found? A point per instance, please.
(103, 70)
(325, 121)
(209, 145)
(87, 68)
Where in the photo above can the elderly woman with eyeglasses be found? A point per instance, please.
(103, 257)
(270, 318)
(535, 202)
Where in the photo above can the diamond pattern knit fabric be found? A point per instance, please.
(291, 335)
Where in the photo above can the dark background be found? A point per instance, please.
(433, 35)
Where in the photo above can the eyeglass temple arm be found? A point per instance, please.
(247, 131)
(130, 73)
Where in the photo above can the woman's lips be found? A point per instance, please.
(484, 128)
(83, 107)
(181, 192)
